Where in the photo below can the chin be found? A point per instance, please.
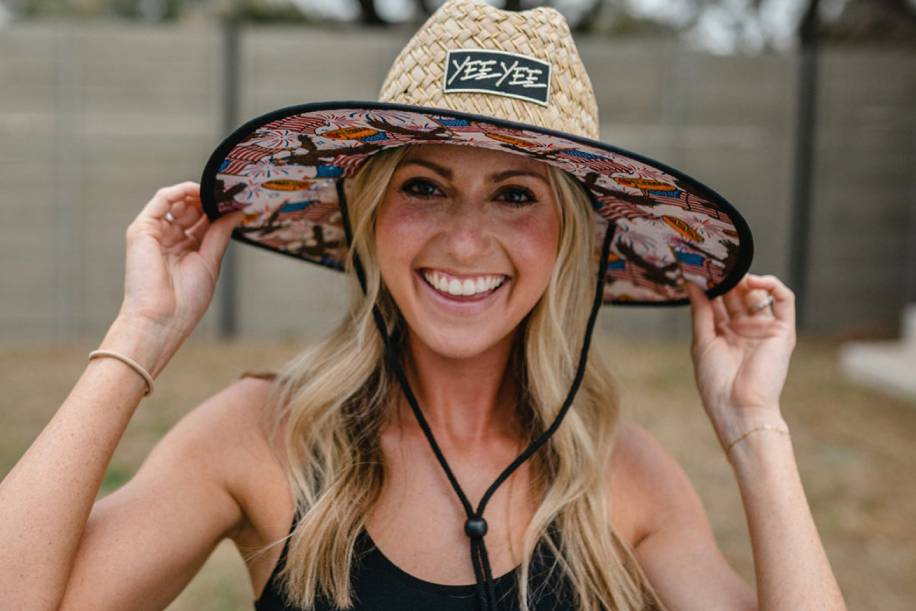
(459, 345)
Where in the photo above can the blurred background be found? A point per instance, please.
(801, 112)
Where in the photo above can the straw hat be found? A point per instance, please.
(480, 76)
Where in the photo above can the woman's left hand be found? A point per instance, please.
(741, 355)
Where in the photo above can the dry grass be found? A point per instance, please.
(854, 448)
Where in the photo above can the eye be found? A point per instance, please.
(517, 196)
(420, 187)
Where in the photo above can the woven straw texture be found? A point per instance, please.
(417, 73)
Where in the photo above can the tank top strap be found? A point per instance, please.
(363, 547)
(271, 598)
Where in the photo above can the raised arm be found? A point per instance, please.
(144, 542)
(46, 499)
(742, 343)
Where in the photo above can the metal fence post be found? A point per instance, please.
(228, 313)
(805, 133)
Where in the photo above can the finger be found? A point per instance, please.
(734, 302)
(193, 201)
(720, 312)
(185, 220)
(755, 300)
(192, 213)
(217, 237)
(196, 232)
(186, 216)
(784, 298)
(166, 197)
(179, 207)
(201, 222)
(701, 312)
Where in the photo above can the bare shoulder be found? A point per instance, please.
(676, 547)
(646, 480)
(254, 461)
(236, 417)
(246, 414)
(637, 450)
(229, 428)
(257, 479)
(230, 431)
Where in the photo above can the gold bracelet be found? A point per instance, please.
(134, 364)
(762, 427)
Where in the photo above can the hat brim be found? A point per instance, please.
(282, 169)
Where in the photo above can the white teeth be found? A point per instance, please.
(440, 283)
(469, 286)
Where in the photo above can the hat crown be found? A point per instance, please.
(531, 38)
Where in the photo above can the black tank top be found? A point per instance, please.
(380, 585)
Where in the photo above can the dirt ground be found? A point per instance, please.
(855, 450)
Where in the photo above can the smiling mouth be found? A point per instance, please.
(464, 288)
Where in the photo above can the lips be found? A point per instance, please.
(466, 287)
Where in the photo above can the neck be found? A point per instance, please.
(467, 400)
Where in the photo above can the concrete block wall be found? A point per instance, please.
(94, 118)
(864, 193)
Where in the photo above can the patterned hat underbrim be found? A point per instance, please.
(282, 169)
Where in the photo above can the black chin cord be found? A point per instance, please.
(475, 527)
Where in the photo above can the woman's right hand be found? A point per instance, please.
(172, 267)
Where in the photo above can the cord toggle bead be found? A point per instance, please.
(475, 527)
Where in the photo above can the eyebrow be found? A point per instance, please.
(497, 177)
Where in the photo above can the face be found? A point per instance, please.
(466, 239)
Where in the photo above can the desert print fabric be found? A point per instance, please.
(282, 169)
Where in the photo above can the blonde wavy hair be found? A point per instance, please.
(329, 402)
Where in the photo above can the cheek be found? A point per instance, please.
(535, 241)
(399, 233)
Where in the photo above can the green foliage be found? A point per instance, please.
(114, 478)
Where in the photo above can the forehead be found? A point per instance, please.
(463, 156)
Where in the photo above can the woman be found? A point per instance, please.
(464, 350)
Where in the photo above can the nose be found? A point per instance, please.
(467, 233)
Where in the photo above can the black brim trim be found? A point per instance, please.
(741, 264)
